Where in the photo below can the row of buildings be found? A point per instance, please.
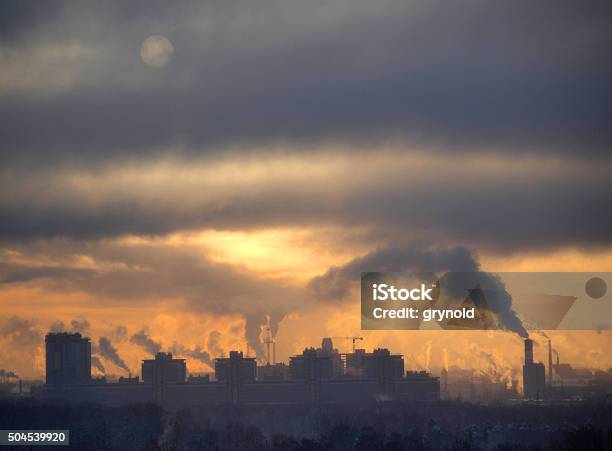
(320, 375)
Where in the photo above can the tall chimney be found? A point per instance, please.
(528, 351)
(550, 368)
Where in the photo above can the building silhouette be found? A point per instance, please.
(311, 366)
(534, 375)
(275, 372)
(68, 358)
(234, 372)
(163, 369)
(309, 378)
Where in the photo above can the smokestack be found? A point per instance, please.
(528, 351)
(274, 352)
(550, 369)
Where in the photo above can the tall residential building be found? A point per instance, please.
(164, 369)
(236, 366)
(68, 358)
(380, 364)
(235, 371)
(311, 366)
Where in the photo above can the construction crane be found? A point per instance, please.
(353, 339)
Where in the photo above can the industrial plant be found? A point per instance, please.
(318, 375)
(561, 381)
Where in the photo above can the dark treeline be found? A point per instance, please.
(448, 425)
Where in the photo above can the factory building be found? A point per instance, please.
(534, 375)
(567, 382)
(472, 385)
(68, 358)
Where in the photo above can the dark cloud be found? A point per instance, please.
(460, 270)
(487, 290)
(514, 208)
(475, 79)
(483, 75)
(15, 274)
(150, 272)
(337, 282)
(19, 18)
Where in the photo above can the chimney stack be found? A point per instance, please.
(550, 368)
(528, 351)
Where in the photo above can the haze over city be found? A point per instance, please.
(180, 177)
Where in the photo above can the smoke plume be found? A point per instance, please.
(145, 342)
(96, 363)
(5, 373)
(120, 332)
(57, 327)
(109, 352)
(81, 327)
(252, 332)
(196, 353)
(212, 343)
(336, 283)
(462, 275)
(457, 285)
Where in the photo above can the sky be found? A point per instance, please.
(240, 171)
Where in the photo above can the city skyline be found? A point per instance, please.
(201, 171)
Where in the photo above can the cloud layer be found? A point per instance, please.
(480, 75)
(418, 132)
